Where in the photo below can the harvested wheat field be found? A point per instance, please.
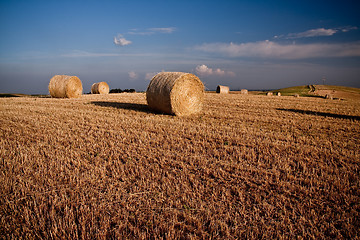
(105, 166)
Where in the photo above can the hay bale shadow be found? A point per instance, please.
(128, 106)
(323, 114)
(6, 95)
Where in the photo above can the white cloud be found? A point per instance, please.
(270, 49)
(121, 41)
(318, 32)
(218, 71)
(163, 30)
(132, 75)
(313, 33)
(149, 76)
(140, 33)
(135, 31)
(347, 29)
(151, 31)
(203, 70)
(206, 71)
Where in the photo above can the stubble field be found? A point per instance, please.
(250, 166)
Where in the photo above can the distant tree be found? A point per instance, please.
(130, 90)
(118, 90)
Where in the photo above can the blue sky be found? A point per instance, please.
(242, 44)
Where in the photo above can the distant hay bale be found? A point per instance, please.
(63, 86)
(278, 94)
(269, 94)
(328, 96)
(100, 88)
(244, 91)
(296, 95)
(222, 89)
(176, 93)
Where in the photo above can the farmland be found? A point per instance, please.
(249, 166)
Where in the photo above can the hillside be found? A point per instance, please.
(248, 167)
(338, 92)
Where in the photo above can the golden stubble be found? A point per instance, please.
(105, 166)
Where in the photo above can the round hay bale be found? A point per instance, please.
(244, 91)
(222, 89)
(278, 94)
(269, 94)
(100, 88)
(63, 86)
(296, 95)
(176, 93)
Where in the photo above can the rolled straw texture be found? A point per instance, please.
(100, 88)
(222, 89)
(63, 86)
(176, 93)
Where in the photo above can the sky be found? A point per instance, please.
(249, 44)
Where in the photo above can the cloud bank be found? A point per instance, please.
(270, 49)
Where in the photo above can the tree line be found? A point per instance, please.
(118, 90)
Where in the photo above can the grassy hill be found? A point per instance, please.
(301, 90)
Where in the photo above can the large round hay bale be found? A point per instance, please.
(100, 88)
(244, 91)
(176, 93)
(278, 94)
(269, 94)
(222, 89)
(63, 86)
